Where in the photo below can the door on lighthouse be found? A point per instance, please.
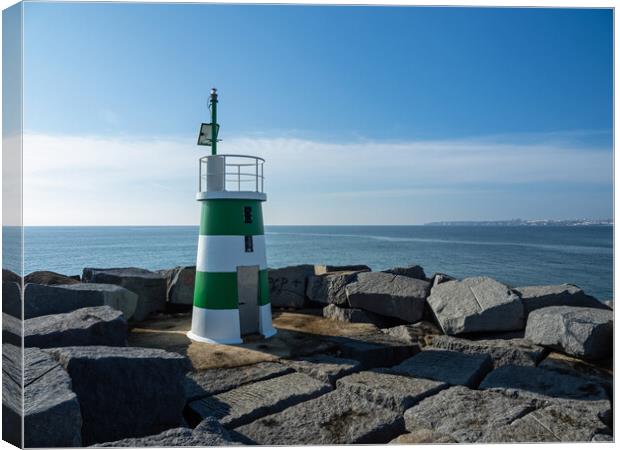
(247, 289)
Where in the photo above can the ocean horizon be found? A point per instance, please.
(515, 255)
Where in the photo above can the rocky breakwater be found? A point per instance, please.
(436, 360)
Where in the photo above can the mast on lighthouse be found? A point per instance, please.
(231, 295)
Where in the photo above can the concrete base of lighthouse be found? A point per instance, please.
(222, 326)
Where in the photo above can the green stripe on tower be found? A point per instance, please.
(224, 217)
(218, 290)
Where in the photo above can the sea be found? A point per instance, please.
(515, 255)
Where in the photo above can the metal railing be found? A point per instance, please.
(230, 173)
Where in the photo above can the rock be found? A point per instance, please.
(446, 366)
(49, 278)
(12, 299)
(209, 382)
(532, 381)
(413, 271)
(389, 295)
(417, 333)
(350, 315)
(468, 416)
(125, 391)
(52, 412)
(250, 402)
(388, 390)
(149, 286)
(476, 304)
(502, 351)
(439, 278)
(44, 300)
(11, 330)
(9, 276)
(99, 325)
(583, 332)
(180, 284)
(324, 368)
(423, 436)
(287, 286)
(567, 365)
(338, 417)
(375, 350)
(209, 433)
(12, 392)
(329, 288)
(537, 297)
(320, 269)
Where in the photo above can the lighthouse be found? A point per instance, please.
(231, 294)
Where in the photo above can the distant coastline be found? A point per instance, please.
(526, 223)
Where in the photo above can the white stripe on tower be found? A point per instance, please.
(221, 325)
(226, 253)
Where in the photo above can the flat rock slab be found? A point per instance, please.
(287, 285)
(329, 288)
(125, 391)
(252, 401)
(468, 416)
(338, 417)
(150, 286)
(476, 304)
(12, 393)
(583, 332)
(388, 390)
(12, 299)
(209, 382)
(41, 300)
(418, 333)
(502, 351)
(209, 433)
(446, 366)
(542, 383)
(99, 325)
(51, 410)
(537, 297)
(325, 368)
(423, 436)
(375, 350)
(389, 295)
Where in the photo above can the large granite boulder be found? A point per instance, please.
(338, 417)
(287, 285)
(329, 288)
(568, 365)
(205, 383)
(446, 366)
(12, 298)
(535, 382)
(389, 295)
(413, 271)
(439, 278)
(464, 415)
(418, 333)
(252, 401)
(180, 283)
(502, 351)
(537, 297)
(375, 350)
(42, 300)
(389, 390)
(98, 325)
(476, 304)
(325, 368)
(209, 433)
(10, 276)
(320, 269)
(49, 278)
(12, 393)
(583, 332)
(349, 315)
(12, 330)
(149, 286)
(125, 391)
(51, 410)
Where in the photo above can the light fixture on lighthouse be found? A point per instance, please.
(204, 137)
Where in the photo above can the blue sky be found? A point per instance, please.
(366, 114)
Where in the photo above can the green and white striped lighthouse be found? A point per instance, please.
(231, 295)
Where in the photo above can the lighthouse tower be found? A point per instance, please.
(231, 295)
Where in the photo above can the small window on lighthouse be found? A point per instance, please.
(249, 245)
(247, 214)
